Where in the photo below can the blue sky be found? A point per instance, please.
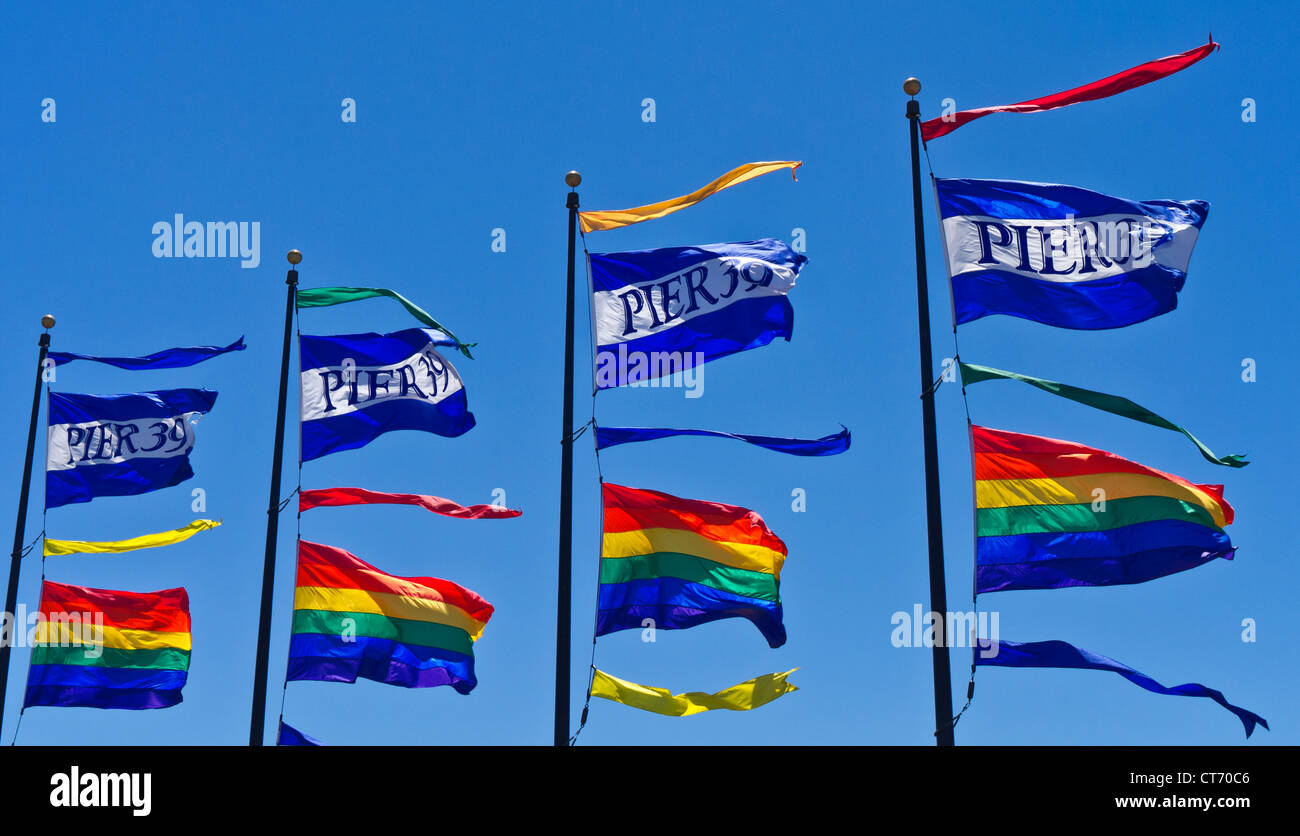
(466, 122)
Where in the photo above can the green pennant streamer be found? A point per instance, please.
(322, 297)
(1113, 404)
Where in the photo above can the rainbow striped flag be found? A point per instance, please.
(683, 562)
(1052, 514)
(351, 620)
(101, 648)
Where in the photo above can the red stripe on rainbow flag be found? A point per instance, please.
(633, 509)
(333, 568)
(166, 611)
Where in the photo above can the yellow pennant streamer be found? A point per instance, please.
(614, 218)
(751, 693)
(144, 541)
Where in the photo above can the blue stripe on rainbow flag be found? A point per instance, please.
(97, 676)
(1137, 538)
(329, 658)
(1090, 571)
(676, 604)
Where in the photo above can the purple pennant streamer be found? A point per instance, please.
(289, 736)
(168, 358)
(829, 445)
(1059, 654)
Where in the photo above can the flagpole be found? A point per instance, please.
(564, 590)
(257, 725)
(934, 518)
(20, 528)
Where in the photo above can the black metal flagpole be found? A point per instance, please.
(20, 528)
(564, 591)
(934, 518)
(257, 725)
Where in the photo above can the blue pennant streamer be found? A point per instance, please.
(1059, 654)
(168, 358)
(289, 736)
(829, 445)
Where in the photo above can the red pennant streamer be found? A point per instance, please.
(1110, 86)
(324, 497)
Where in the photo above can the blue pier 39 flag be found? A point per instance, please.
(120, 445)
(658, 312)
(1061, 255)
(356, 387)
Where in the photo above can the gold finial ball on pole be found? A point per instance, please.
(912, 86)
(572, 179)
(47, 321)
(294, 257)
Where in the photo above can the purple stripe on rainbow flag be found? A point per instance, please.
(313, 656)
(675, 604)
(1130, 554)
(83, 697)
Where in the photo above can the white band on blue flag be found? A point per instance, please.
(356, 387)
(1061, 255)
(670, 309)
(120, 445)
